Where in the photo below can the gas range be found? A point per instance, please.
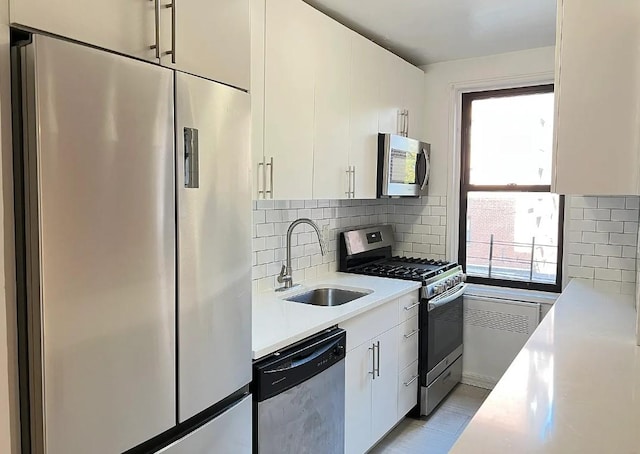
(369, 252)
(408, 268)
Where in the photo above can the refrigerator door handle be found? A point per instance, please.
(191, 164)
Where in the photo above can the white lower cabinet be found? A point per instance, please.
(379, 361)
(358, 409)
(384, 400)
(407, 389)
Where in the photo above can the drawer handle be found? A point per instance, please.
(414, 378)
(411, 334)
(408, 308)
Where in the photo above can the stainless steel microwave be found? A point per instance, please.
(403, 166)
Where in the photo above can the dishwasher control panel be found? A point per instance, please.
(287, 368)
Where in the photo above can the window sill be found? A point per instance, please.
(512, 294)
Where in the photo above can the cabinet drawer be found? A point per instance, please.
(407, 389)
(408, 305)
(408, 342)
(370, 324)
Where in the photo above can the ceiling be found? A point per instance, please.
(429, 31)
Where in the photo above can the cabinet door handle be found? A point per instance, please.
(270, 191)
(411, 306)
(411, 334)
(156, 46)
(406, 123)
(172, 52)
(414, 378)
(373, 361)
(353, 184)
(378, 359)
(348, 191)
(261, 188)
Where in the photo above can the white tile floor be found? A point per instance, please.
(436, 433)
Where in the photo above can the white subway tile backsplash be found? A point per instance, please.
(431, 220)
(609, 250)
(594, 261)
(624, 215)
(265, 230)
(624, 239)
(608, 275)
(595, 238)
(578, 271)
(601, 241)
(419, 224)
(574, 259)
(622, 263)
(580, 248)
(608, 286)
(582, 226)
(611, 202)
(576, 213)
(597, 214)
(583, 202)
(609, 226)
(633, 203)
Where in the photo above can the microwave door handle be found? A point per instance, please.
(424, 178)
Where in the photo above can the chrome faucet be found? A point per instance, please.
(286, 276)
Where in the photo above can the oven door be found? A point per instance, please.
(405, 166)
(441, 342)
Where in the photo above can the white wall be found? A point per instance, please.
(444, 84)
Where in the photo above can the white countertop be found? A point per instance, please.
(277, 323)
(574, 388)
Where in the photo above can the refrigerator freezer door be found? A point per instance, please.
(231, 432)
(104, 277)
(214, 242)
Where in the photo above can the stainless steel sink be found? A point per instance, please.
(327, 296)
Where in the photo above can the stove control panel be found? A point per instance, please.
(446, 282)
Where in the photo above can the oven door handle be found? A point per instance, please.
(447, 297)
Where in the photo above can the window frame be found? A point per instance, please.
(466, 188)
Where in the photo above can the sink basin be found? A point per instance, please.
(327, 297)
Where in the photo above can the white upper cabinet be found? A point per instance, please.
(257, 97)
(390, 92)
(124, 26)
(327, 94)
(597, 91)
(363, 116)
(331, 109)
(289, 99)
(207, 38)
(414, 100)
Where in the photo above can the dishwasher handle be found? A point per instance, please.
(306, 358)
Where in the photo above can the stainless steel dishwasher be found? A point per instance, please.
(299, 397)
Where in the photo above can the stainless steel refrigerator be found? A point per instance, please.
(133, 208)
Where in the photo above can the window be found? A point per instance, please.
(510, 222)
